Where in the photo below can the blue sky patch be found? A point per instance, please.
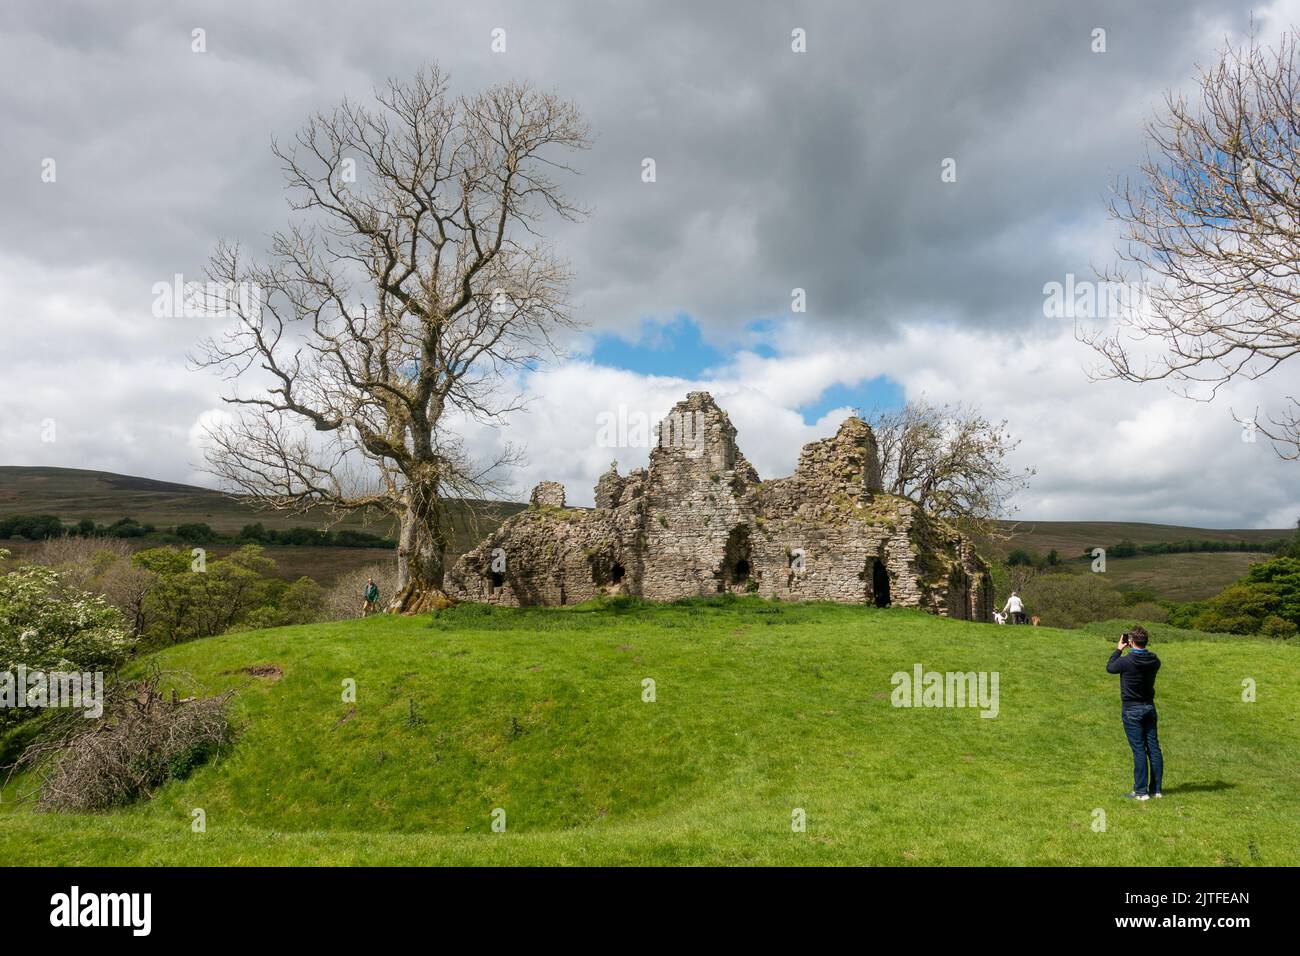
(674, 349)
(881, 393)
(677, 349)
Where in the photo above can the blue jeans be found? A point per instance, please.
(1140, 728)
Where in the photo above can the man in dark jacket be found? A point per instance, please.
(1137, 693)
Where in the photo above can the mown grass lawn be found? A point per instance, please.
(760, 709)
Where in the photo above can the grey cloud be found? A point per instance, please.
(775, 170)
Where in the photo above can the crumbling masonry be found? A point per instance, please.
(699, 521)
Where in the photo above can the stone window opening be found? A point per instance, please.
(603, 575)
(496, 581)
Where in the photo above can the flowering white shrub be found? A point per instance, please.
(45, 625)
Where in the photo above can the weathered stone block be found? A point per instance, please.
(548, 494)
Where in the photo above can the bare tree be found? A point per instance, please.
(950, 460)
(1211, 234)
(399, 311)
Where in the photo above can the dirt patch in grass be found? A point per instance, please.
(272, 672)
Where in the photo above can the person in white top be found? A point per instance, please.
(1016, 608)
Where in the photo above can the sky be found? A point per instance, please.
(775, 170)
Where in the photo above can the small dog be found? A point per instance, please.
(999, 617)
(1034, 620)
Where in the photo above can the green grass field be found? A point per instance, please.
(760, 709)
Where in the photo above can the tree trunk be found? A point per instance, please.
(421, 557)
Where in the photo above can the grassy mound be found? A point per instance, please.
(760, 709)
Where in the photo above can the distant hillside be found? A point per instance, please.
(73, 494)
(1191, 576)
(1072, 538)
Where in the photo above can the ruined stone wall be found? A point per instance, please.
(830, 553)
(553, 556)
(548, 494)
(698, 521)
(696, 500)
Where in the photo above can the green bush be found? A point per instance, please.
(1071, 600)
(128, 528)
(1239, 609)
(1274, 626)
(313, 537)
(186, 602)
(31, 527)
(1283, 574)
(196, 532)
(301, 602)
(1183, 614)
(1125, 549)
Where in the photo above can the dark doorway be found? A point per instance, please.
(880, 583)
(735, 570)
(959, 595)
(497, 580)
(616, 574)
(740, 573)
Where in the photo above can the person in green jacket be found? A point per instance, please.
(372, 598)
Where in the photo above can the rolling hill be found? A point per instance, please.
(73, 494)
(1072, 538)
(760, 710)
(104, 497)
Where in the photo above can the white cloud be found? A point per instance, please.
(1103, 450)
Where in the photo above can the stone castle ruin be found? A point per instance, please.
(699, 521)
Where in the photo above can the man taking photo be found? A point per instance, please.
(1137, 693)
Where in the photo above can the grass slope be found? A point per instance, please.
(761, 708)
